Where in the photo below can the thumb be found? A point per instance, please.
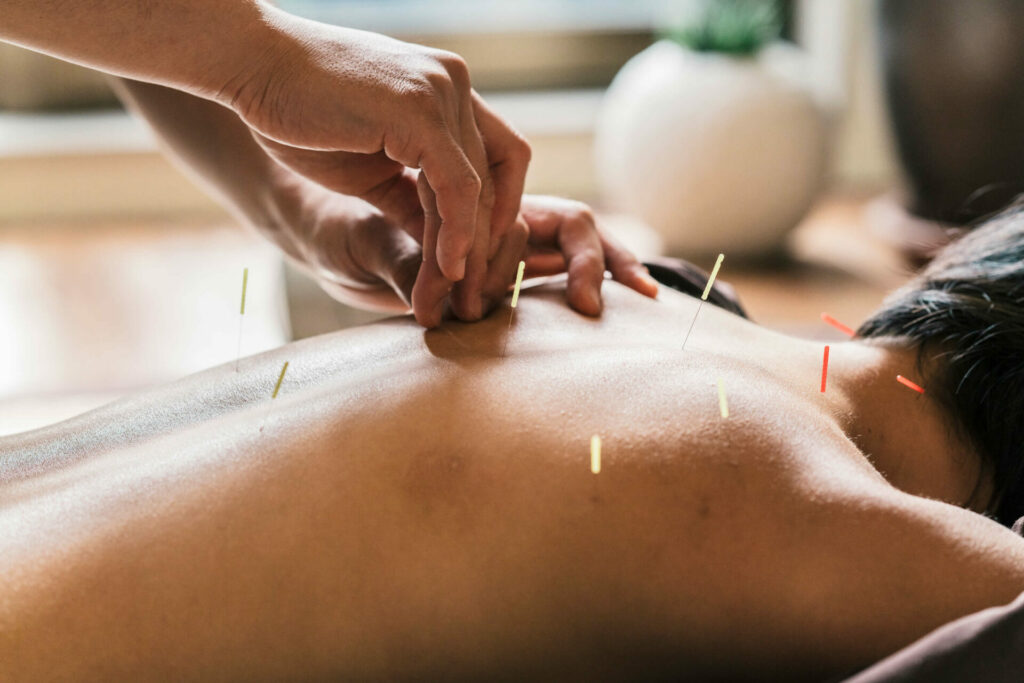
(404, 268)
(394, 258)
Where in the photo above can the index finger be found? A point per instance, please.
(431, 288)
(508, 156)
(456, 187)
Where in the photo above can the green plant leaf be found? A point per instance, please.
(740, 27)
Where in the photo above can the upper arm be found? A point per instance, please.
(885, 568)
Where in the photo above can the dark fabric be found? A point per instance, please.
(687, 278)
(984, 646)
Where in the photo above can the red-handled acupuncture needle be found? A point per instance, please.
(824, 369)
(907, 383)
(838, 325)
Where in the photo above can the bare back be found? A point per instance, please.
(416, 504)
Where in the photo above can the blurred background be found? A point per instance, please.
(823, 146)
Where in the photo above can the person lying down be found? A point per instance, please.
(415, 505)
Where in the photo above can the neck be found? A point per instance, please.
(906, 435)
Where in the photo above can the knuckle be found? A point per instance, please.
(595, 266)
(487, 195)
(467, 183)
(519, 231)
(520, 149)
(455, 66)
(593, 256)
(439, 81)
(464, 184)
(585, 262)
(399, 144)
(581, 213)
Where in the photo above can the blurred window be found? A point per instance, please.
(425, 17)
(510, 44)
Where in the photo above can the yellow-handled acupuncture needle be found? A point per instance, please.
(280, 378)
(515, 300)
(241, 317)
(519, 283)
(704, 296)
(714, 274)
(277, 388)
(595, 454)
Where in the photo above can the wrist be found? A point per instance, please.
(306, 221)
(259, 60)
(279, 210)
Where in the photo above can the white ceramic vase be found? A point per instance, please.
(717, 153)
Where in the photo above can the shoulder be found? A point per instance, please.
(879, 568)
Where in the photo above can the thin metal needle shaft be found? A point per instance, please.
(691, 323)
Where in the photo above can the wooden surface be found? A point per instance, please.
(88, 312)
(99, 310)
(835, 265)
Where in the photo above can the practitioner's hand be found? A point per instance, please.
(353, 251)
(391, 187)
(482, 289)
(564, 236)
(361, 257)
(552, 235)
(355, 111)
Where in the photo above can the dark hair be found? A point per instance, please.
(965, 315)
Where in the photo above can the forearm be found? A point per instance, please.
(309, 223)
(216, 149)
(202, 46)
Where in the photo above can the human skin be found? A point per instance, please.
(372, 256)
(321, 99)
(419, 505)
